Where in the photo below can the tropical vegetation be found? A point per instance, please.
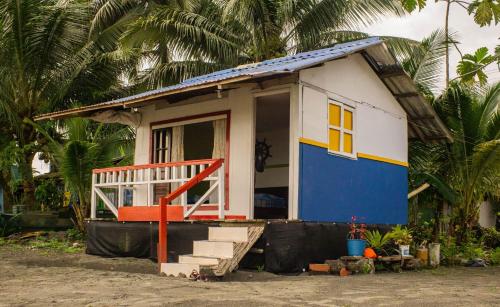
(57, 54)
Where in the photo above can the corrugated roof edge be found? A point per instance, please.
(287, 64)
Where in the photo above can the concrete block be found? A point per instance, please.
(198, 260)
(235, 234)
(217, 249)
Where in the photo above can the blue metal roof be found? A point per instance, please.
(275, 66)
(285, 64)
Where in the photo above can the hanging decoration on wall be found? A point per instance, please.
(262, 152)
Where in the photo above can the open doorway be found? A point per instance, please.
(272, 152)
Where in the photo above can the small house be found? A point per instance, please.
(316, 137)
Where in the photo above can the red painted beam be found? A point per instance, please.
(162, 233)
(194, 181)
(149, 214)
(145, 166)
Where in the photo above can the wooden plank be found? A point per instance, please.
(240, 250)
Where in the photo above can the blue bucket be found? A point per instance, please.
(355, 247)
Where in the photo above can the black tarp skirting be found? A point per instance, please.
(288, 246)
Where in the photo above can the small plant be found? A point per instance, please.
(377, 241)
(472, 250)
(260, 268)
(449, 250)
(401, 235)
(495, 256)
(74, 234)
(357, 231)
(490, 237)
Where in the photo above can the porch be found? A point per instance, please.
(133, 193)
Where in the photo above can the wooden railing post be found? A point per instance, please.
(162, 233)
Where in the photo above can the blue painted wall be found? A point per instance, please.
(333, 189)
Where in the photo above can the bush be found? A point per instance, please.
(49, 193)
(472, 250)
(495, 256)
(449, 250)
(74, 234)
(490, 237)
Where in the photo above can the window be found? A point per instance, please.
(341, 126)
(161, 145)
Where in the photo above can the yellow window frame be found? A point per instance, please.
(342, 130)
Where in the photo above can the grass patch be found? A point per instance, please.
(56, 245)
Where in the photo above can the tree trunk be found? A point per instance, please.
(447, 33)
(28, 183)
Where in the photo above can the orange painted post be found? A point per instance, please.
(162, 233)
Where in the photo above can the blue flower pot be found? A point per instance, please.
(355, 247)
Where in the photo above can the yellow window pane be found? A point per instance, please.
(334, 140)
(347, 143)
(334, 114)
(348, 120)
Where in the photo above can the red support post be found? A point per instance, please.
(162, 232)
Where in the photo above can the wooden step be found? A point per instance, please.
(198, 260)
(234, 234)
(217, 249)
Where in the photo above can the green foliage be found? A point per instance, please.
(470, 166)
(495, 256)
(449, 250)
(376, 240)
(50, 193)
(401, 235)
(411, 5)
(490, 237)
(485, 11)
(74, 234)
(55, 245)
(471, 66)
(9, 224)
(422, 233)
(84, 147)
(472, 250)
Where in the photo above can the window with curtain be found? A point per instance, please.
(161, 145)
(341, 129)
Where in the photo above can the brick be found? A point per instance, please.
(319, 267)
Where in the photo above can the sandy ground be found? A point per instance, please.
(46, 278)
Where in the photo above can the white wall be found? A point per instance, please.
(487, 216)
(379, 133)
(39, 167)
(274, 176)
(241, 104)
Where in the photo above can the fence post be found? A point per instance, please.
(93, 202)
(221, 191)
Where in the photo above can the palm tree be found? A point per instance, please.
(48, 59)
(470, 166)
(181, 39)
(83, 146)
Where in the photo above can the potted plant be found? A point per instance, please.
(377, 241)
(356, 240)
(402, 237)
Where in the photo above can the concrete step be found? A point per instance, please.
(175, 269)
(198, 260)
(217, 249)
(235, 234)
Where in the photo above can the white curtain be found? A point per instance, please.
(219, 139)
(177, 143)
(219, 150)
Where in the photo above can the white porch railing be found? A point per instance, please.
(181, 176)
